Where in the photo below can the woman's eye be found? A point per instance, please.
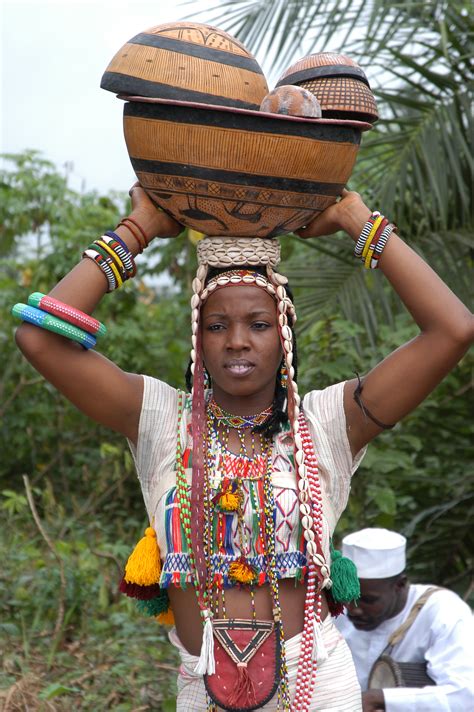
(260, 325)
(215, 327)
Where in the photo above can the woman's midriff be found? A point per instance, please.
(238, 604)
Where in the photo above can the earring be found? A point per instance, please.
(207, 379)
(283, 376)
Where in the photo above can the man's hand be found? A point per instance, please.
(373, 701)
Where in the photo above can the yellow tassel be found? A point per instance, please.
(144, 565)
(229, 502)
(240, 571)
(166, 618)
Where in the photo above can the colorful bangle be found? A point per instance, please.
(100, 261)
(116, 244)
(73, 316)
(40, 318)
(381, 243)
(118, 270)
(365, 232)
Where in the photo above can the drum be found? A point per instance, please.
(387, 672)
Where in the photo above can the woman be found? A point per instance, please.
(256, 515)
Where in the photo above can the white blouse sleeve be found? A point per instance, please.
(155, 451)
(327, 423)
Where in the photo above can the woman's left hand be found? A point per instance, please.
(349, 213)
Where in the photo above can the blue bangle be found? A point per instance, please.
(40, 318)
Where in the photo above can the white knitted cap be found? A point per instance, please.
(377, 553)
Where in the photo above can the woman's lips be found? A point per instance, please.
(239, 368)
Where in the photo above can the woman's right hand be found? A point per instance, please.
(154, 221)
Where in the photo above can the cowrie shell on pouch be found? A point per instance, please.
(299, 457)
(302, 472)
(307, 522)
(305, 509)
(196, 285)
(309, 535)
(303, 497)
(296, 427)
(311, 548)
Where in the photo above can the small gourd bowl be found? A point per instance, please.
(338, 83)
(238, 172)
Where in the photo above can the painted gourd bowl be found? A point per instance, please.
(338, 83)
(186, 61)
(205, 152)
(237, 172)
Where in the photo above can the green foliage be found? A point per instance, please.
(419, 477)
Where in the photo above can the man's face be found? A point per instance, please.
(379, 599)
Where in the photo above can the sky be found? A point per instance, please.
(52, 57)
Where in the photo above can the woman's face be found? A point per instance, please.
(241, 347)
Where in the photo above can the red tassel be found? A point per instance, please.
(244, 687)
(335, 608)
(134, 590)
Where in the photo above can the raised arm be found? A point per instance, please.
(95, 385)
(403, 379)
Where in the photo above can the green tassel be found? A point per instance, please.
(154, 606)
(345, 582)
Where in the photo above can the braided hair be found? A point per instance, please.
(279, 417)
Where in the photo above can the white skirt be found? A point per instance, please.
(336, 687)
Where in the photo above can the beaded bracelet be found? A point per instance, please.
(73, 316)
(364, 234)
(121, 249)
(117, 267)
(101, 262)
(40, 318)
(373, 239)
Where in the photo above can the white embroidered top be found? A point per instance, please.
(155, 456)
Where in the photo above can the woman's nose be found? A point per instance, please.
(237, 337)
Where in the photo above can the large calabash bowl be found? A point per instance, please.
(237, 172)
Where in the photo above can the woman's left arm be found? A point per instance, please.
(403, 379)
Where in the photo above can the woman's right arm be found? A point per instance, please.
(95, 385)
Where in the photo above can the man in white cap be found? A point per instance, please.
(438, 631)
